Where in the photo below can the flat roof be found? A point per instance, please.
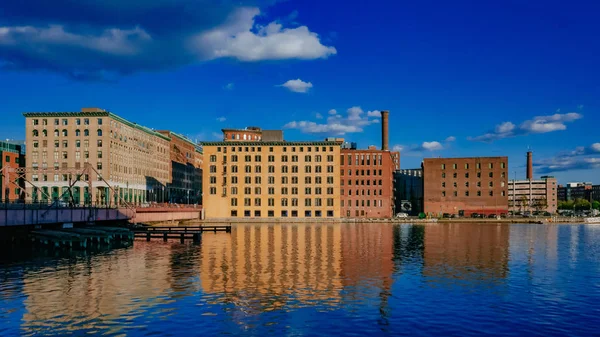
(95, 114)
(278, 143)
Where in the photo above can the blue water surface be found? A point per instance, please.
(315, 280)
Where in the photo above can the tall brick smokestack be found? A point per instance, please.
(385, 140)
(529, 165)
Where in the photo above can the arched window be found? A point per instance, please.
(55, 133)
(86, 133)
(36, 133)
(77, 133)
(99, 132)
(244, 136)
(45, 133)
(64, 133)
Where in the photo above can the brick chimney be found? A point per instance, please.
(529, 165)
(384, 130)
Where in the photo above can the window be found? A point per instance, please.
(467, 175)
(99, 132)
(284, 158)
(257, 169)
(491, 193)
(234, 202)
(247, 202)
(503, 165)
(257, 158)
(455, 175)
(307, 190)
(284, 169)
(307, 180)
(330, 180)
(284, 202)
(295, 169)
(307, 202)
(86, 133)
(213, 180)
(307, 169)
(99, 154)
(271, 202)
(56, 122)
(234, 190)
(86, 121)
(213, 169)
(491, 184)
(330, 159)
(45, 133)
(478, 193)
(443, 166)
(490, 165)
(307, 158)
(443, 175)
(99, 121)
(257, 190)
(247, 190)
(36, 133)
(284, 180)
(64, 155)
(284, 190)
(271, 190)
(466, 193)
(294, 158)
(294, 202)
(56, 133)
(257, 202)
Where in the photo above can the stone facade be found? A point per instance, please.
(133, 159)
(256, 179)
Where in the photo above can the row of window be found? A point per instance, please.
(271, 169)
(308, 202)
(490, 184)
(478, 193)
(490, 174)
(65, 155)
(477, 166)
(271, 190)
(271, 180)
(65, 133)
(362, 192)
(271, 149)
(65, 121)
(283, 214)
(65, 143)
(362, 160)
(271, 158)
(362, 182)
(363, 203)
(362, 172)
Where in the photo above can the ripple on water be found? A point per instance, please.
(302, 279)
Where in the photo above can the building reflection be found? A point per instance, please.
(104, 287)
(268, 266)
(466, 252)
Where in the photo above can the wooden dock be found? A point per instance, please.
(178, 232)
(80, 238)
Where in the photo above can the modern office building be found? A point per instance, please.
(465, 185)
(408, 185)
(186, 176)
(367, 178)
(254, 173)
(575, 190)
(11, 155)
(533, 195)
(132, 159)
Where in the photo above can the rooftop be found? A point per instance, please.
(265, 143)
(95, 112)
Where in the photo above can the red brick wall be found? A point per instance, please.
(375, 191)
(435, 202)
(13, 157)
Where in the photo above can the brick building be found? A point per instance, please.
(367, 178)
(11, 155)
(465, 185)
(366, 183)
(264, 176)
(132, 159)
(186, 176)
(574, 191)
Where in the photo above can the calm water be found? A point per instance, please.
(343, 279)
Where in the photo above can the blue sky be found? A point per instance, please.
(460, 78)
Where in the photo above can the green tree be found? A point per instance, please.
(596, 204)
(566, 205)
(582, 204)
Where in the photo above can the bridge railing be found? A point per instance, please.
(16, 205)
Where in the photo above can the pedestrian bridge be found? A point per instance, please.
(21, 214)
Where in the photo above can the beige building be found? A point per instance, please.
(267, 177)
(533, 195)
(133, 159)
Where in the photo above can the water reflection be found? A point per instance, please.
(306, 279)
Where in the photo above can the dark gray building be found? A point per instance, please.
(408, 185)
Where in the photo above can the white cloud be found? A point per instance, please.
(398, 148)
(355, 121)
(374, 113)
(582, 158)
(237, 38)
(333, 112)
(121, 38)
(221, 119)
(539, 124)
(318, 116)
(229, 86)
(450, 139)
(297, 86)
(217, 135)
(432, 146)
